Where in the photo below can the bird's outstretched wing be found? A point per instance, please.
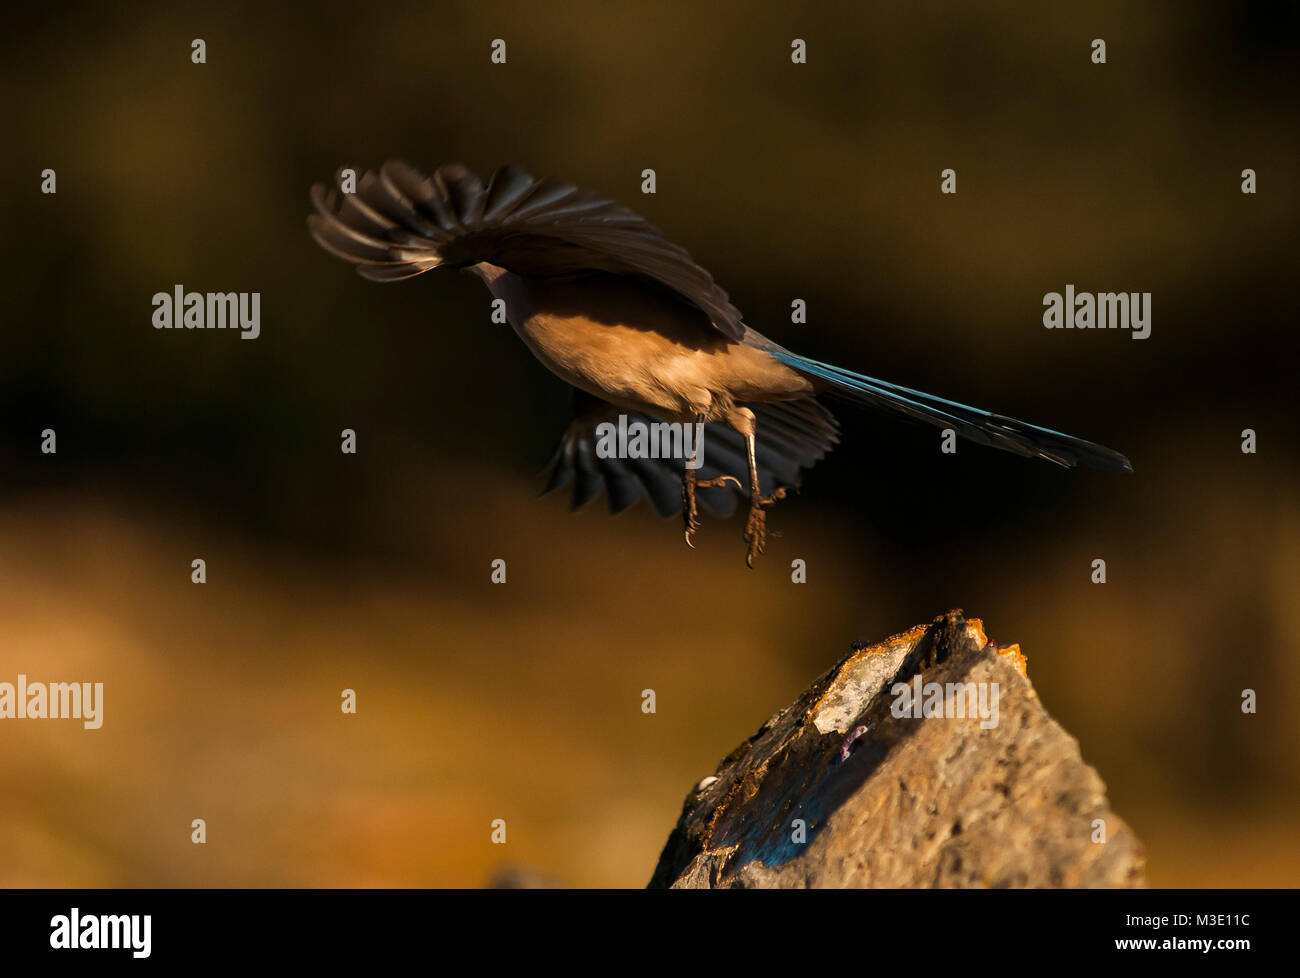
(400, 223)
(794, 435)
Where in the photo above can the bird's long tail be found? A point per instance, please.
(980, 426)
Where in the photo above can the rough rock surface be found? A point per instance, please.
(888, 801)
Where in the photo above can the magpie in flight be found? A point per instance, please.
(638, 329)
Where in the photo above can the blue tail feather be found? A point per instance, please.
(978, 425)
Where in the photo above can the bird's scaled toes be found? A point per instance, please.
(690, 511)
(755, 533)
(756, 525)
(717, 482)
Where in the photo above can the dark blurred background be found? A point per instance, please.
(816, 181)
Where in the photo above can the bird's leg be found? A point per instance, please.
(756, 524)
(690, 484)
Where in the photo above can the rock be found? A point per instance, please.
(896, 801)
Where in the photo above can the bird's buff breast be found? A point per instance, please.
(635, 348)
(631, 368)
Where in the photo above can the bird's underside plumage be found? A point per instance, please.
(607, 303)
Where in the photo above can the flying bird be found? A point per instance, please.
(638, 329)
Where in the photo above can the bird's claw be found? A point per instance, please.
(689, 510)
(756, 525)
(717, 482)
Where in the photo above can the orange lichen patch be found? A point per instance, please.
(913, 634)
(1017, 658)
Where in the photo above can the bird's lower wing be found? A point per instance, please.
(792, 436)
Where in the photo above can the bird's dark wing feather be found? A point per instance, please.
(400, 223)
(792, 436)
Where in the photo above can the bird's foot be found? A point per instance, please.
(756, 525)
(689, 510)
